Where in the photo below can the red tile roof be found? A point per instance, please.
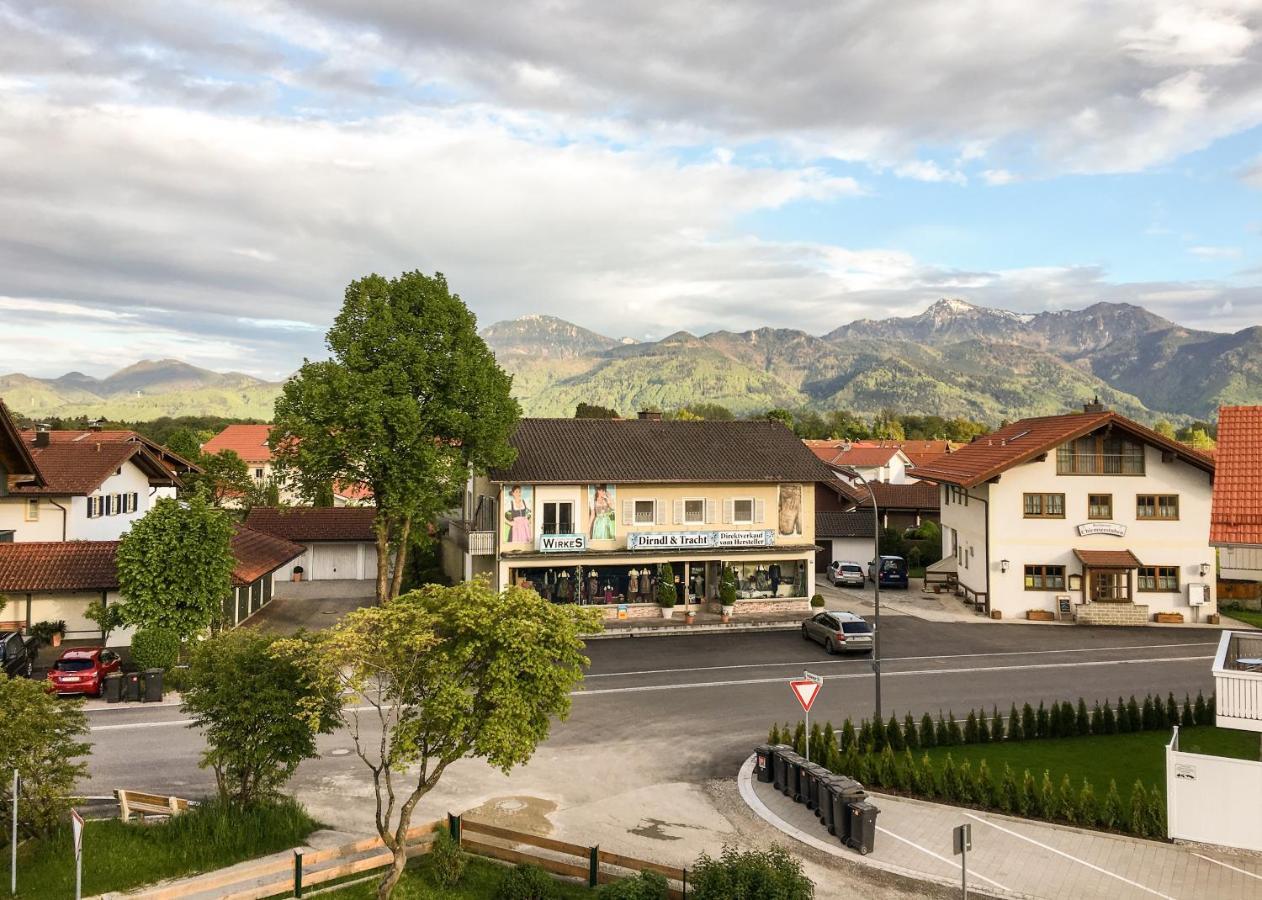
(248, 441)
(58, 566)
(847, 453)
(1021, 441)
(917, 495)
(172, 459)
(1237, 513)
(257, 554)
(1108, 559)
(307, 524)
(349, 490)
(924, 452)
(79, 469)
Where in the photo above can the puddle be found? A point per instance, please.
(519, 812)
(656, 829)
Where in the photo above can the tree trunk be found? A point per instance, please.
(386, 888)
(383, 558)
(400, 557)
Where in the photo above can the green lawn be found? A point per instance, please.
(481, 878)
(1248, 616)
(1098, 758)
(117, 857)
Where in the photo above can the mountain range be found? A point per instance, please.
(955, 360)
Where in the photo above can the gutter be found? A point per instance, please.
(64, 513)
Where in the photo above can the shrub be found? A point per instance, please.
(966, 784)
(996, 726)
(949, 780)
(1088, 811)
(1135, 718)
(828, 738)
(749, 875)
(1200, 711)
(1042, 725)
(1110, 811)
(1009, 799)
(894, 734)
(526, 882)
(1028, 800)
(985, 790)
(666, 596)
(817, 601)
(43, 739)
(799, 738)
(44, 631)
(645, 886)
(1139, 809)
(1156, 814)
(941, 736)
(1055, 725)
(1148, 718)
(448, 859)
(1123, 717)
(155, 648)
(955, 737)
(1109, 721)
(727, 587)
(887, 768)
(928, 777)
(1067, 801)
(1097, 719)
(1082, 722)
(1048, 799)
(1172, 710)
(1029, 727)
(983, 729)
(927, 736)
(773, 736)
(865, 736)
(920, 774)
(817, 741)
(107, 618)
(970, 728)
(1016, 732)
(1185, 716)
(910, 738)
(847, 736)
(905, 772)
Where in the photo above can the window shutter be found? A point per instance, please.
(659, 508)
(135, 501)
(628, 512)
(709, 511)
(107, 505)
(729, 510)
(91, 507)
(679, 512)
(760, 511)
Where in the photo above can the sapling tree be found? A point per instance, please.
(43, 740)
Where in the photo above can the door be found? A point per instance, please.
(333, 561)
(1110, 586)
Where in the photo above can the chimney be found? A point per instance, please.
(650, 415)
(1095, 406)
(42, 437)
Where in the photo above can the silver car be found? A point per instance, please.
(846, 574)
(839, 632)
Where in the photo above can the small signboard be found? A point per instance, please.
(806, 691)
(622, 611)
(1113, 528)
(963, 839)
(1064, 606)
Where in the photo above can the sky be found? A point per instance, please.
(202, 180)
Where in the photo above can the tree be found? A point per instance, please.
(243, 697)
(445, 673)
(187, 443)
(1164, 428)
(224, 476)
(108, 617)
(411, 401)
(43, 740)
(783, 416)
(175, 566)
(592, 411)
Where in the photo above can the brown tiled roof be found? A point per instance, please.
(248, 441)
(58, 566)
(14, 453)
(1237, 515)
(560, 451)
(257, 553)
(924, 452)
(306, 523)
(1108, 559)
(1021, 441)
(854, 524)
(170, 458)
(78, 468)
(916, 495)
(847, 453)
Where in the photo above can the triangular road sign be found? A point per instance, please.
(76, 824)
(806, 691)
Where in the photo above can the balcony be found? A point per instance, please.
(1069, 462)
(1238, 681)
(473, 540)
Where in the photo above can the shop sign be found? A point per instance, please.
(562, 543)
(698, 540)
(1112, 528)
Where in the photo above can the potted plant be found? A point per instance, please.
(690, 616)
(297, 574)
(727, 593)
(666, 590)
(817, 602)
(49, 632)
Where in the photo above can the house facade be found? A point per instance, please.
(1236, 528)
(591, 510)
(875, 461)
(250, 442)
(1090, 517)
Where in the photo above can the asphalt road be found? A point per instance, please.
(690, 707)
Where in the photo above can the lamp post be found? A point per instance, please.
(876, 572)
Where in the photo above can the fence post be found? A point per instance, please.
(593, 866)
(298, 872)
(685, 884)
(453, 826)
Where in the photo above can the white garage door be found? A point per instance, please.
(332, 561)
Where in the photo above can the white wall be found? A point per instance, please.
(111, 527)
(67, 606)
(361, 564)
(1213, 800)
(969, 521)
(1240, 563)
(858, 550)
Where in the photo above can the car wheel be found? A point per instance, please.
(828, 647)
(805, 635)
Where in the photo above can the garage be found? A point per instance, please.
(339, 543)
(844, 536)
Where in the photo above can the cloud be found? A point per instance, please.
(1206, 252)
(928, 170)
(996, 177)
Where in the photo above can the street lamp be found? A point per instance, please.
(876, 572)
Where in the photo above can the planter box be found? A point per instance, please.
(1213, 619)
(1168, 618)
(1040, 615)
(996, 613)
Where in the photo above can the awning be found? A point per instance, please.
(1107, 559)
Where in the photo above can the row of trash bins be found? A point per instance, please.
(839, 802)
(134, 686)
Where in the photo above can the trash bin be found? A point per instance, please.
(114, 687)
(816, 793)
(153, 685)
(793, 776)
(779, 765)
(845, 791)
(862, 830)
(131, 686)
(762, 762)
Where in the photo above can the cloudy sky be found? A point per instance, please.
(202, 179)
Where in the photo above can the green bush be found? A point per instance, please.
(155, 648)
(879, 737)
(750, 875)
(847, 736)
(727, 587)
(996, 726)
(983, 728)
(955, 737)
(910, 739)
(666, 596)
(1029, 726)
(1016, 730)
(44, 631)
(526, 882)
(1110, 813)
(1042, 726)
(1186, 718)
(1135, 718)
(894, 734)
(1088, 808)
(447, 858)
(941, 737)
(927, 736)
(1097, 719)
(817, 601)
(1082, 721)
(645, 886)
(970, 728)
(1200, 712)
(1172, 711)
(1139, 809)
(1009, 791)
(1109, 720)
(1067, 801)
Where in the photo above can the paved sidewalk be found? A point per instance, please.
(1014, 857)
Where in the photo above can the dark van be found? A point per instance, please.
(892, 572)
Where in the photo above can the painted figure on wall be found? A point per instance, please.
(517, 515)
(601, 520)
(790, 509)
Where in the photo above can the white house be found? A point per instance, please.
(1088, 516)
(875, 461)
(844, 537)
(250, 442)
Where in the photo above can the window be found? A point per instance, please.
(135, 501)
(91, 507)
(1045, 506)
(1097, 454)
(694, 511)
(1099, 506)
(258, 474)
(743, 511)
(645, 512)
(1044, 578)
(104, 507)
(1157, 506)
(558, 517)
(1158, 578)
(32, 510)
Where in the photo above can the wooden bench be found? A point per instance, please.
(144, 804)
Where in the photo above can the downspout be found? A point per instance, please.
(63, 517)
(986, 547)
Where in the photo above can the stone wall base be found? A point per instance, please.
(747, 608)
(1111, 614)
(640, 611)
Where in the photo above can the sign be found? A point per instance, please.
(1064, 605)
(806, 691)
(1185, 772)
(76, 825)
(622, 611)
(698, 540)
(562, 543)
(963, 839)
(1112, 528)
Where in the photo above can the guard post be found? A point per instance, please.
(963, 842)
(593, 866)
(298, 872)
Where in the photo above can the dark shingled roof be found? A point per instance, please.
(854, 524)
(916, 495)
(561, 451)
(305, 523)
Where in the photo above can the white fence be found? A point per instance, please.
(1212, 799)
(1238, 680)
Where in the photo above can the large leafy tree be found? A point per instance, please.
(224, 476)
(175, 566)
(43, 740)
(444, 673)
(410, 401)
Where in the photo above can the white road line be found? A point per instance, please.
(131, 725)
(972, 873)
(1069, 856)
(969, 671)
(1225, 866)
(825, 662)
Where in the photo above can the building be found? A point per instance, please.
(97, 435)
(901, 506)
(1088, 516)
(1236, 524)
(881, 461)
(338, 543)
(845, 537)
(17, 466)
(592, 508)
(250, 442)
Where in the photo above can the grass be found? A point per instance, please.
(480, 881)
(1099, 758)
(118, 856)
(1248, 616)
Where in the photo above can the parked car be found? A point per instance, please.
(83, 671)
(892, 572)
(17, 654)
(845, 574)
(839, 632)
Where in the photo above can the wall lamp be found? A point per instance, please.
(1003, 565)
(1204, 569)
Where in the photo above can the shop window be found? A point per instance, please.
(1044, 578)
(1158, 578)
(694, 511)
(558, 517)
(1045, 506)
(645, 512)
(743, 511)
(778, 578)
(1157, 506)
(1099, 506)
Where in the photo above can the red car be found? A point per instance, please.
(83, 671)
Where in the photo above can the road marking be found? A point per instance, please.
(826, 662)
(138, 707)
(130, 725)
(1069, 856)
(969, 671)
(954, 865)
(1225, 866)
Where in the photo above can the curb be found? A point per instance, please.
(673, 630)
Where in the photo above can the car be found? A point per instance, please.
(17, 654)
(839, 632)
(83, 671)
(893, 572)
(843, 574)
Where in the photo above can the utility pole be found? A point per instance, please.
(876, 573)
(13, 838)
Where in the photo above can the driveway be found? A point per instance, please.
(289, 615)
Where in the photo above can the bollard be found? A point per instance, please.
(453, 827)
(593, 866)
(685, 884)
(298, 872)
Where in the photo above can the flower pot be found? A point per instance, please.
(728, 612)
(1169, 618)
(667, 612)
(690, 617)
(1040, 615)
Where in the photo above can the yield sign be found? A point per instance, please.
(806, 691)
(76, 823)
